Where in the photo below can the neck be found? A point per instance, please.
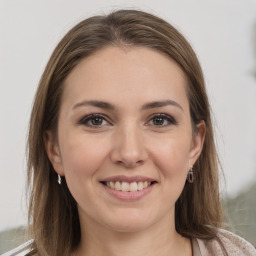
(160, 239)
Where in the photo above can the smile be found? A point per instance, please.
(126, 186)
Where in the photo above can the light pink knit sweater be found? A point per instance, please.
(233, 244)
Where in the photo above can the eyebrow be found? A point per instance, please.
(159, 104)
(106, 105)
(95, 103)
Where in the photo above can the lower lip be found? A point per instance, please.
(129, 196)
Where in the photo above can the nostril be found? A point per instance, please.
(129, 155)
(129, 164)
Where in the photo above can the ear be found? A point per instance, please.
(197, 143)
(53, 152)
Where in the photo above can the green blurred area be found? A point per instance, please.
(240, 214)
(11, 238)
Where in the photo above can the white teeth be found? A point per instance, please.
(125, 186)
(133, 186)
(112, 184)
(128, 187)
(140, 185)
(145, 184)
(117, 186)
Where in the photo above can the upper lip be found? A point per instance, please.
(131, 179)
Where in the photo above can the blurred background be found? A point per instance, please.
(223, 34)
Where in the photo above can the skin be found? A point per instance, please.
(127, 141)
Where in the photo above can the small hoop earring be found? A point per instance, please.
(59, 179)
(190, 175)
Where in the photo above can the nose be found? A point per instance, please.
(128, 147)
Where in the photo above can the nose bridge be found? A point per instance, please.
(129, 145)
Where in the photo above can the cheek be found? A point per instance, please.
(81, 157)
(172, 161)
(172, 158)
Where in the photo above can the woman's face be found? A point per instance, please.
(125, 141)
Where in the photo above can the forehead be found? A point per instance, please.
(115, 73)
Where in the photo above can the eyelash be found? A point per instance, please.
(86, 119)
(89, 118)
(165, 117)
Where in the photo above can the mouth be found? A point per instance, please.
(126, 186)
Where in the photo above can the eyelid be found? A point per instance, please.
(87, 118)
(83, 121)
(168, 117)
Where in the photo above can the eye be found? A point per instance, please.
(94, 120)
(161, 120)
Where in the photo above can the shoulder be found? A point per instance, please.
(226, 243)
(22, 250)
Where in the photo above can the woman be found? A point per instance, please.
(122, 158)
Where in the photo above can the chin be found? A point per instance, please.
(129, 222)
(128, 227)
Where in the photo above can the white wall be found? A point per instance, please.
(220, 32)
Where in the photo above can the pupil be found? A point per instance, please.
(158, 121)
(97, 121)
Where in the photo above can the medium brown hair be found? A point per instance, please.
(53, 212)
